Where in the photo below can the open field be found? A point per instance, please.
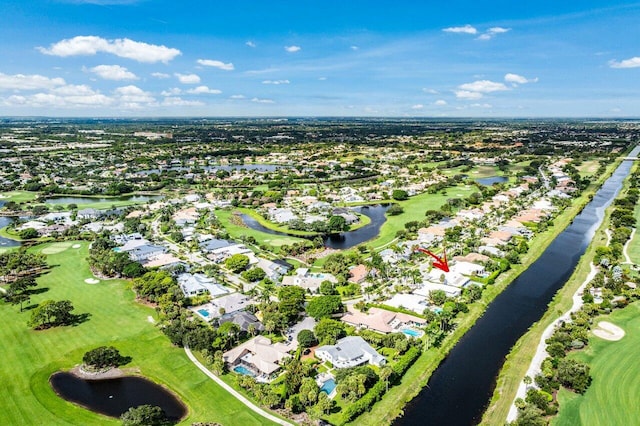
(30, 357)
(612, 398)
(588, 168)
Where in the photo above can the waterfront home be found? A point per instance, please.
(412, 302)
(350, 351)
(381, 320)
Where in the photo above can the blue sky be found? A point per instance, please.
(312, 58)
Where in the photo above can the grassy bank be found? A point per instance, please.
(418, 375)
(238, 231)
(519, 359)
(30, 357)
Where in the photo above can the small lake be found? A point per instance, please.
(488, 181)
(113, 397)
(88, 200)
(7, 242)
(343, 240)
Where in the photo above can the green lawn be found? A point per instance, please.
(633, 250)
(18, 196)
(30, 357)
(612, 398)
(415, 208)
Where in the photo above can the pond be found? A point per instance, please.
(460, 388)
(113, 397)
(88, 200)
(7, 242)
(488, 181)
(343, 240)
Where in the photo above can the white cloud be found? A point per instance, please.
(262, 101)
(440, 102)
(171, 92)
(216, 64)
(131, 95)
(160, 75)
(498, 30)
(322, 78)
(492, 32)
(430, 91)
(204, 90)
(483, 86)
(175, 101)
(122, 47)
(481, 106)
(28, 82)
(516, 79)
(276, 82)
(465, 94)
(113, 72)
(250, 43)
(354, 47)
(417, 106)
(292, 49)
(188, 78)
(237, 97)
(467, 29)
(626, 63)
(68, 96)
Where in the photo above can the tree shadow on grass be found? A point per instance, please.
(78, 319)
(38, 290)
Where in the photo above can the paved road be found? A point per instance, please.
(235, 393)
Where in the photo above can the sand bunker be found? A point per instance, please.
(91, 281)
(608, 331)
(76, 246)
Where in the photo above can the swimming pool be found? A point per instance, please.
(242, 370)
(328, 386)
(412, 333)
(203, 312)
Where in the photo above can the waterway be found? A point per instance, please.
(344, 240)
(113, 397)
(459, 390)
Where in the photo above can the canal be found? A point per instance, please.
(459, 390)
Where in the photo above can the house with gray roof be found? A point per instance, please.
(350, 351)
(242, 319)
(196, 284)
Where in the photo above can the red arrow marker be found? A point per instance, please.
(440, 263)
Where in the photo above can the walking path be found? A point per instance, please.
(233, 392)
(626, 247)
(541, 351)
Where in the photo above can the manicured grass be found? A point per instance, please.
(30, 357)
(270, 225)
(237, 231)
(18, 196)
(612, 398)
(633, 250)
(588, 167)
(415, 208)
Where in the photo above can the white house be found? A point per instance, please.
(196, 284)
(350, 351)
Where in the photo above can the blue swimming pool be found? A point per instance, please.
(203, 312)
(242, 370)
(328, 386)
(410, 332)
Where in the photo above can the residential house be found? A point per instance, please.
(197, 284)
(350, 351)
(230, 303)
(308, 280)
(259, 356)
(242, 319)
(381, 320)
